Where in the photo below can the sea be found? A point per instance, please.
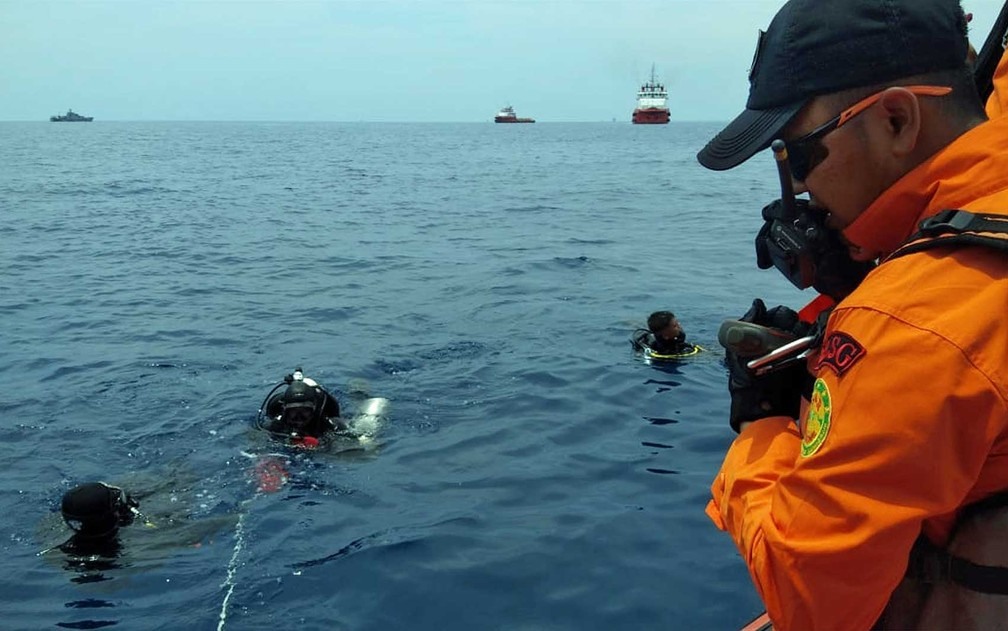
(530, 472)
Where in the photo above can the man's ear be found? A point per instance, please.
(900, 118)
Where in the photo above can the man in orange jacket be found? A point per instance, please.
(908, 416)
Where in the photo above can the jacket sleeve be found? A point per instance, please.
(826, 535)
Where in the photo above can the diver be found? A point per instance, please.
(302, 413)
(95, 511)
(664, 337)
(109, 533)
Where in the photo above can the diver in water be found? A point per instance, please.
(303, 412)
(95, 511)
(664, 336)
(98, 513)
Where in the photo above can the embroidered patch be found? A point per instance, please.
(839, 352)
(817, 419)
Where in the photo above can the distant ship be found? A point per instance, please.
(71, 117)
(507, 115)
(652, 103)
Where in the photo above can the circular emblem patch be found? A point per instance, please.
(817, 420)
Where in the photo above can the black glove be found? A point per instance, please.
(780, 317)
(773, 394)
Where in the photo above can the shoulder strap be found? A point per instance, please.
(954, 227)
(986, 579)
(930, 564)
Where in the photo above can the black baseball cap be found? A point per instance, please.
(816, 47)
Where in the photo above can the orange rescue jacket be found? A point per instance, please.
(909, 416)
(997, 103)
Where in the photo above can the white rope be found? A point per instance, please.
(232, 568)
(371, 413)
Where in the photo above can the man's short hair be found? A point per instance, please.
(659, 320)
(962, 104)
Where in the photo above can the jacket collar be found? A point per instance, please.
(973, 166)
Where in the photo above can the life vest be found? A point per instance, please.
(963, 586)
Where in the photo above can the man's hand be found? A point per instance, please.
(774, 394)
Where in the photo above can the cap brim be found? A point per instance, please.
(750, 132)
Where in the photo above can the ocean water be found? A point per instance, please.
(157, 279)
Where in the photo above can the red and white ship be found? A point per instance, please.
(507, 115)
(652, 103)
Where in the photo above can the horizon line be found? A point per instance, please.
(264, 120)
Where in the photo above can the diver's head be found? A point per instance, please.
(665, 326)
(96, 510)
(301, 405)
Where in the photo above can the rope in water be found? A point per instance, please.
(270, 477)
(232, 568)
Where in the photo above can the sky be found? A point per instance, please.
(380, 60)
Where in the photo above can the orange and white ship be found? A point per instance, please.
(652, 103)
(507, 115)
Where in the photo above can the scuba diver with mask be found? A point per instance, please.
(302, 413)
(98, 513)
(95, 511)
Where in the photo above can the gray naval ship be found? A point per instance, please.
(70, 117)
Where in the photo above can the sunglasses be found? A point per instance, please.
(805, 153)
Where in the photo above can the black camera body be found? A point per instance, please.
(795, 239)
